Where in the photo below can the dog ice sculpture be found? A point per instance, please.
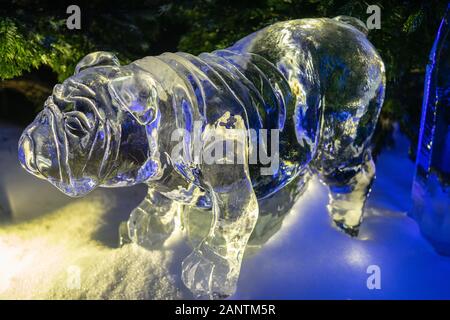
(313, 86)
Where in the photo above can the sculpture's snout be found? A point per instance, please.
(37, 150)
(26, 155)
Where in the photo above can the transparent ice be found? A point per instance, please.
(317, 85)
(431, 186)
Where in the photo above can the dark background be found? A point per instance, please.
(37, 50)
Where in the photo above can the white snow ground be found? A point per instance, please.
(54, 247)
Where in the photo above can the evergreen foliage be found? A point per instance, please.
(33, 35)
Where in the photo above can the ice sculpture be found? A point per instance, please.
(431, 186)
(296, 97)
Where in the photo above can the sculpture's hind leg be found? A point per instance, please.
(344, 160)
(353, 82)
(152, 222)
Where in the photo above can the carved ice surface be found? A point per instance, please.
(313, 86)
(431, 186)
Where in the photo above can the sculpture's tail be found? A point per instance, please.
(354, 22)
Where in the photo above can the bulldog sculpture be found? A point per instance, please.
(312, 87)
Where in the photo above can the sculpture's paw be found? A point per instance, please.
(149, 231)
(345, 219)
(352, 231)
(206, 278)
(124, 237)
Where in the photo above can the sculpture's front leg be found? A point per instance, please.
(153, 221)
(212, 269)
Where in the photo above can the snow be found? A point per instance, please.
(54, 247)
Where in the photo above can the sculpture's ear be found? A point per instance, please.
(137, 94)
(99, 58)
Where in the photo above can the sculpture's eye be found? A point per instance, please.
(77, 123)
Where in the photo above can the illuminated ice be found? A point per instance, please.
(222, 131)
(431, 186)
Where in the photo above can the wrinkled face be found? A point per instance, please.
(75, 141)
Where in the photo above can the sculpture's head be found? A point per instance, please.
(88, 134)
